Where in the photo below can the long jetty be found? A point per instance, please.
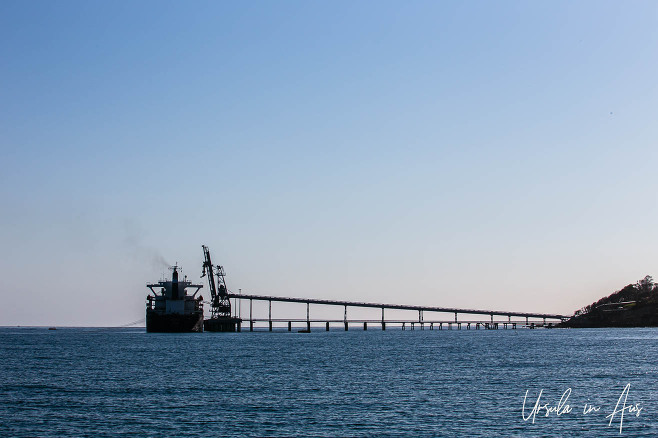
(421, 321)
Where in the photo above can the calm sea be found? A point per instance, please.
(111, 382)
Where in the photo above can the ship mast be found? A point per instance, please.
(220, 305)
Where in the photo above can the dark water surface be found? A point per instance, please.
(109, 382)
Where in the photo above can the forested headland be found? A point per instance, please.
(635, 305)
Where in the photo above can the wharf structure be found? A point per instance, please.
(172, 309)
(492, 318)
(220, 304)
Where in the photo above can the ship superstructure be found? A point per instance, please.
(171, 308)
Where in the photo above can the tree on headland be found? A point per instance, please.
(646, 284)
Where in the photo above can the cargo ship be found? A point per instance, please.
(171, 308)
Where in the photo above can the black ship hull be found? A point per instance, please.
(173, 323)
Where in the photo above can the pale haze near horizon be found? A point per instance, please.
(493, 155)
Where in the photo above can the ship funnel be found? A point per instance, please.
(174, 284)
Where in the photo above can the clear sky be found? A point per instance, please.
(468, 154)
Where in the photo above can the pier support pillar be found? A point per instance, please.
(413, 326)
(468, 326)
(327, 325)
(431, 326)
(270, 325)
(270, 316)
(403, 328)
(239, 326)
(251, 326)
(346, 325)
(383, 325)
(308, 318)
(459, 326)
(477, 326)
(513, 326)
(289, 326)
(365, 325)
(440, 326)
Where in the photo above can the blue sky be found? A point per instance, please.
(466, 154)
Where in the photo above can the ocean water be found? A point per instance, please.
(421, 383)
